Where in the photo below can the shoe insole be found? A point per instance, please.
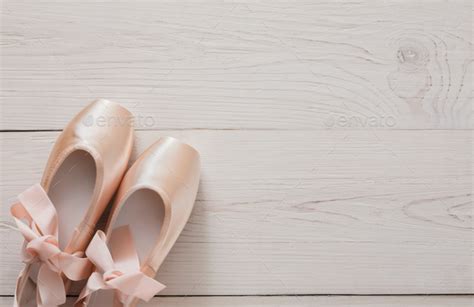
(143, 212)
(71, 191)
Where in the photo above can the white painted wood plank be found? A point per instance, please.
(234, 65)
(291, 301)
(301, 212)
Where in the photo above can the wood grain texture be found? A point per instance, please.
(240, 65)
(336, 137)
(302, 212)
(285, 301)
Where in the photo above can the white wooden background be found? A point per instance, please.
(336, 138)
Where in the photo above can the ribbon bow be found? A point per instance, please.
(36, 218)
(118, 268)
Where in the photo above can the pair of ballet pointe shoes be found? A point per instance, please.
(87, 166)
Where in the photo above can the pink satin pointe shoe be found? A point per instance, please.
(151, 208)
(58, 217)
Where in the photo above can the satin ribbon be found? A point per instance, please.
(36, 218)
(118, 268)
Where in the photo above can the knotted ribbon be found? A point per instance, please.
(36, 218)
(118, 268)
